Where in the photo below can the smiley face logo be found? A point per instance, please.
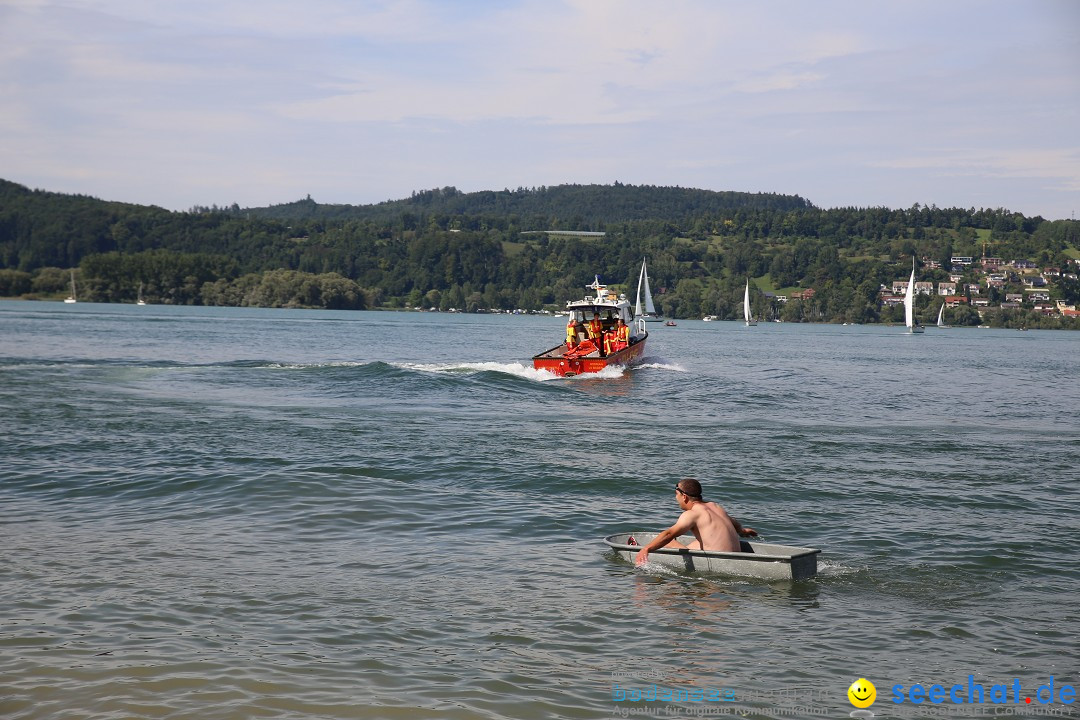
(862, 693)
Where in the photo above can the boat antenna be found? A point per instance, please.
(597, 285)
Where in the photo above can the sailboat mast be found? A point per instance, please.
(637, 305)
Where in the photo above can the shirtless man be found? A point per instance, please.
(710, 524)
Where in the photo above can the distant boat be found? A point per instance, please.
(941, 317)
(747, 315)
(670, 323)
(579, 355)
(72, 298)
(909, 303)
(140, 301)
(708, 318)
(649, 313)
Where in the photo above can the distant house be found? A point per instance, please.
(962, 260)
(1037, 296)
(924, 288)
(781, 298)
(1070, 313)
(1051, 272)
(973, 288)
(980, 302)
(933, 264)
(955, 301)
(1024, 265)
(1045, 309)
(995, 283)
(1014, 297)
(891, 300)
(1035, 281)
(946, 288)
(992, 262)
(803, 294)
(1010, 306)
(899, 287)
(955, 277)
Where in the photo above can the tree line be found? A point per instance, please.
(446, 249)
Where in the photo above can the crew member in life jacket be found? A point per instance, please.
(571, 333)
(622, 331)
(596, 330)
(611, 341)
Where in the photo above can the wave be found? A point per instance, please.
(660, 365)
(514, 369)
(472, 368)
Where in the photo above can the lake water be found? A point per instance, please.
(237, 513)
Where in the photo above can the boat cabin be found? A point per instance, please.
(609, 309)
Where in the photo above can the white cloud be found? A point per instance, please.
(351, 100)
(1060, 167)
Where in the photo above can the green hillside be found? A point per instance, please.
(568, 207)
(475, 251)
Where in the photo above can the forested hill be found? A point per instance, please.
(568, 207)
(450, 250)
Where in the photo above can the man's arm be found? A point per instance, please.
(681, 526)
(743, 531)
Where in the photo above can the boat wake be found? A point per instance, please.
(469, 368)
(660, 365)
(834, 569)
(515, 369)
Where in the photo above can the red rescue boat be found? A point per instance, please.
(601, 331)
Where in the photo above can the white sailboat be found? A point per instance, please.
(747, 315)
(941, 317)
(909, 303)
(140, 301)
(649, 313)
(72, 298)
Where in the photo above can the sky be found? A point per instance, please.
(188, 103)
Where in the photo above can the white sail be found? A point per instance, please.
(909, 302)
(649, 308)
(73, 297)
(643, 282)
(909, 299)
(941, 316)
(746, 305)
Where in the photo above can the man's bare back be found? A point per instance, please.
(712, 526)
(708, 522)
